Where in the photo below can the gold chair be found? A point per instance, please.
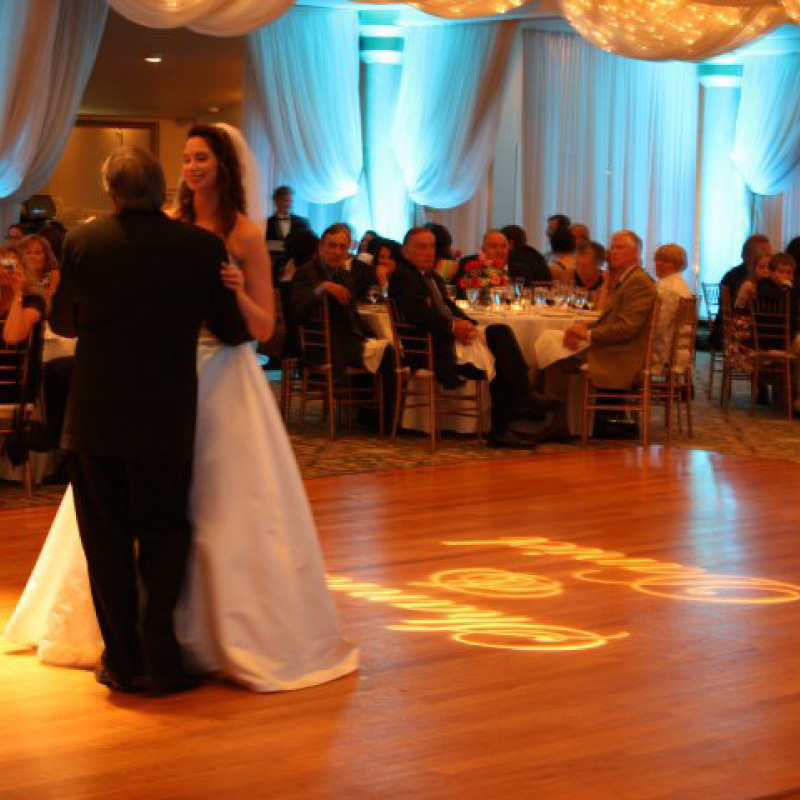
(337, 394)
(15, 364)
(635, 400)
(673, 384)
(772, 356)
(737, 353)
(413, 358)
(712, 300)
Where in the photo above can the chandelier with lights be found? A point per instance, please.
(686, 30)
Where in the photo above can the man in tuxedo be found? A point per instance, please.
(280, 225)
(524, 261)
(325, 276)
(135, 289)
(615, 346)
(419, 294)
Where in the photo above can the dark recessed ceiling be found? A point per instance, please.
(197, 72)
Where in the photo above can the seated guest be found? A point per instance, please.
(352, 342)
(280, 225)
(14, 235)
(562, 257)
(363, 246)
(557, 222)
(300, 246)
(41, 264)
(524, 261)
(589, 260)
(670, 262)
(419, 294)
(758, 270)
(22, 309)
(494, 251)
(781, 284)
(446, 257)
(614, 346)
(754, 247)
(581, 233)
(385, 255)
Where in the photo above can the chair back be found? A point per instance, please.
(315, 336)
(726, 311)
(684, 336)
(711, 299)
(652, 326)
(411, 346)
(771, 322)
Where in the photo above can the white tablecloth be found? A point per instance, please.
(528, 326)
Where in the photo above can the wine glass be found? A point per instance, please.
(472, 296)
(373, 294)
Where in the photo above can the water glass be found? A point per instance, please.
(472, 297)
(540, 296)
(497, 298)
(580, 298)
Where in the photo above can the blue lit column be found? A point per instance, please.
(724, 223)
(382, 65)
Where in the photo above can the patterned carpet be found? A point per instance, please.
(764, 433)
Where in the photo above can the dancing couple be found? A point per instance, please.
(201, 548)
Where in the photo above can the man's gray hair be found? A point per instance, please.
(637, 242)
(135, 179)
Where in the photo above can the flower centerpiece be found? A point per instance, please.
(483, 274)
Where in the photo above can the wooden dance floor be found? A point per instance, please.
(598, 625)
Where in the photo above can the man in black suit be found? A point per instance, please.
(280, 225)
(524, 261)
(135, 289)
(325, 276)
(419, 294)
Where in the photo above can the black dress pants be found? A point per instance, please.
(511, 388)
(134, 526)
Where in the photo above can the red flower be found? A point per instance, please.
(504, 281)
(473, 266)
(476, 283)
(462, 283)
(495, 279)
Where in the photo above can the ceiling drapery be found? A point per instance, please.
(212, 17)
(686, 30)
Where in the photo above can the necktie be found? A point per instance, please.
(438, 301)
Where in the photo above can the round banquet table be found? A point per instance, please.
(527, 325)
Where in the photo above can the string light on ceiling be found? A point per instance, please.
(689, 30)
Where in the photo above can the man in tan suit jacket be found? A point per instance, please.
(614, 346)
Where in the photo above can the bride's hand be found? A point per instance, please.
(232, 277)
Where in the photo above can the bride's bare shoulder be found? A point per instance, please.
(247, 231)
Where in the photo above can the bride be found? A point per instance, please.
(256, 609)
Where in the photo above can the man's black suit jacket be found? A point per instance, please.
(348, 329)
(414, 302)
(274, 228)
(136, 287)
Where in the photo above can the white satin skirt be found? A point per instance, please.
(256, 608)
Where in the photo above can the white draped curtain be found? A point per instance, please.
(445, 127)
(608, 141)
(766, 151)
(48, 50)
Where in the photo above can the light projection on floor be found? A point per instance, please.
(652, 577)
(489, 582)
(471, 625)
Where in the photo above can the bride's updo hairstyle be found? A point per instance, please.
(229, 178)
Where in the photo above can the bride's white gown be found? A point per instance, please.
(256, 609)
